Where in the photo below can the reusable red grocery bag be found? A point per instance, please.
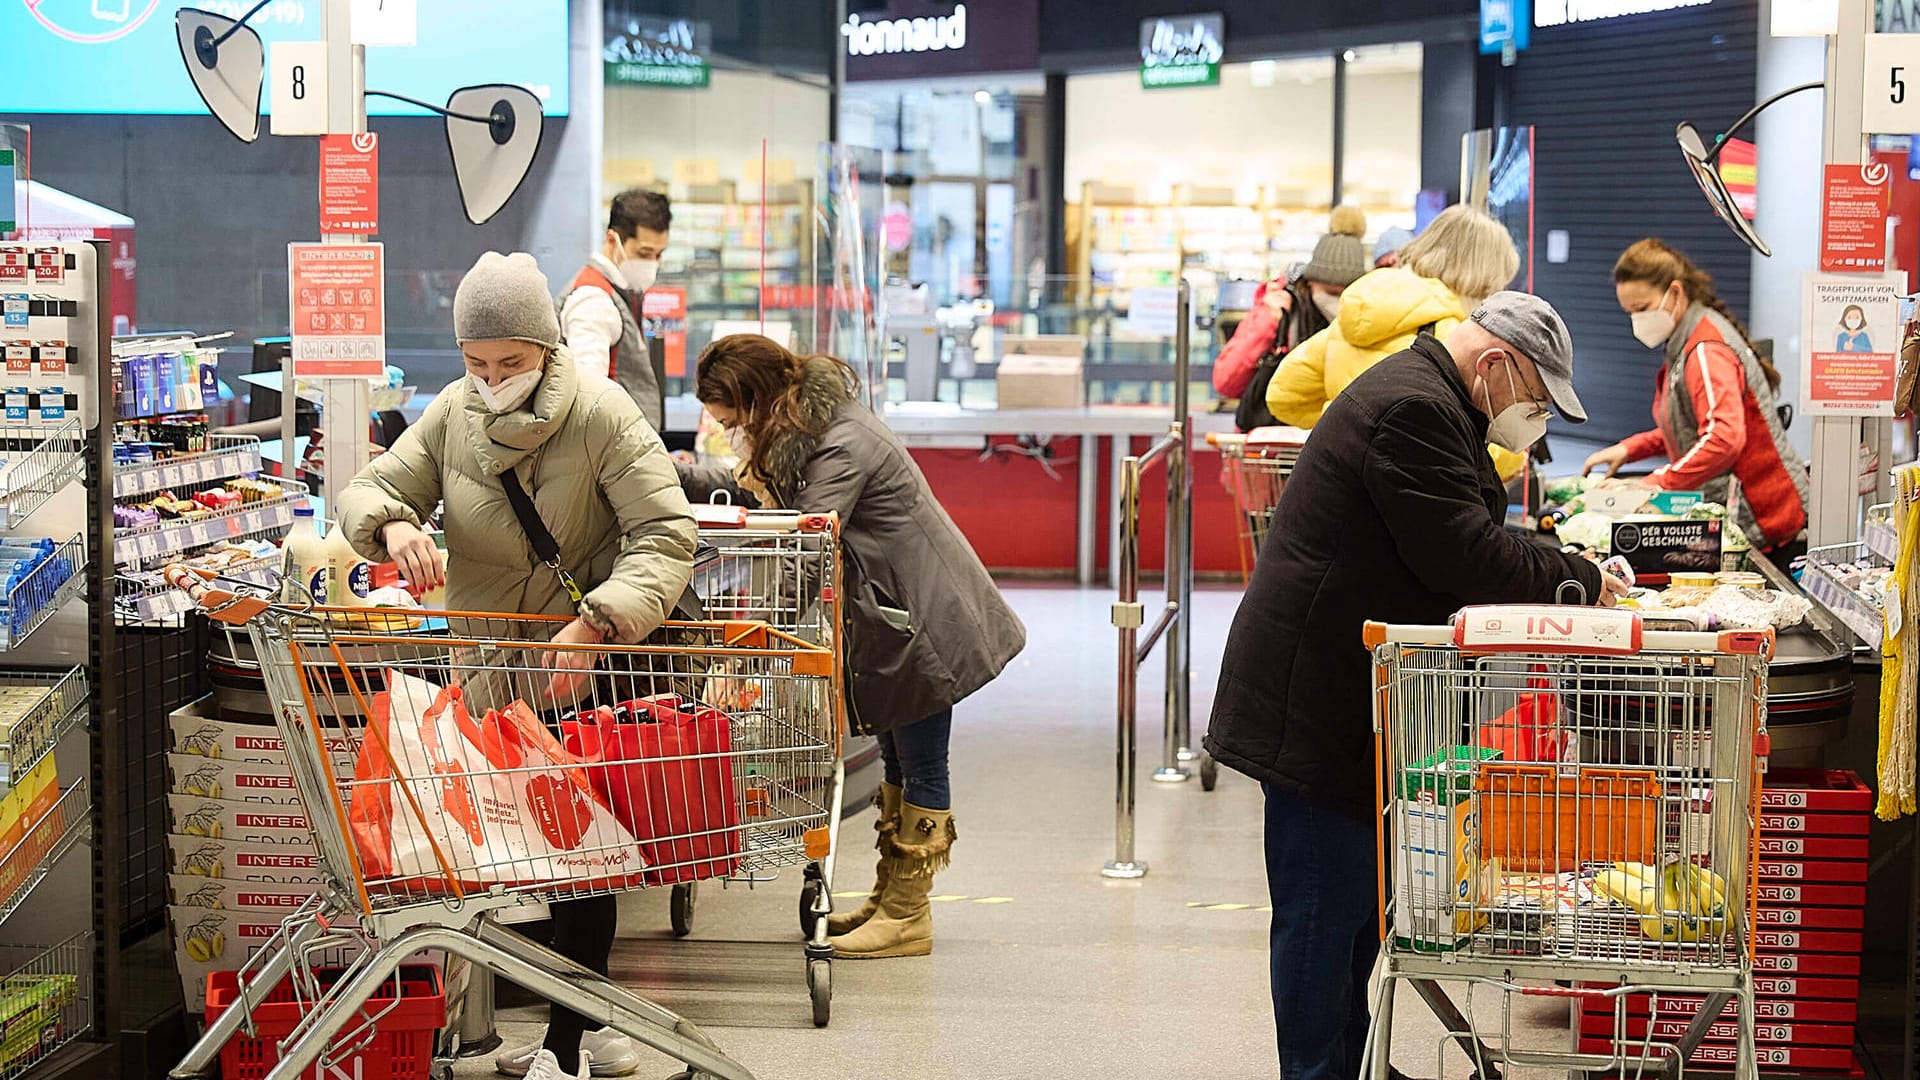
(667, 773)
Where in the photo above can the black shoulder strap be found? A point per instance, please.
(689, 607)
(544, 544)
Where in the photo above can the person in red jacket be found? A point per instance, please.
(1286, 313)
(1714, 409)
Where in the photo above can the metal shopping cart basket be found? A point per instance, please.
(486, 779)
(1568, 806)
(781, 568)
(1255, 468)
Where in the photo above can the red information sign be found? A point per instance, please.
(1853, 223)
(665, 308)
(349, 184)
(338, 306)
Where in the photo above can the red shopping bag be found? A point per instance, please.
(1530, 731)
(667, 772)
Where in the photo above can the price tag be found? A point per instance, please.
(297, 71)
(1890, 99)
(234, 528)
(148, 545)
(170, 476)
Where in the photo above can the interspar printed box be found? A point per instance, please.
(239, 860)
(227, 894)
(250, 822)
(197, 729)
(210, 939)
(1765, 1032)
(1764, 1008)
(1720, 1056)
(240, 781)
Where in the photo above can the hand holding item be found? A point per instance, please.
(572, 668)
(1278, 300)
(416, 554)
(1609, 459)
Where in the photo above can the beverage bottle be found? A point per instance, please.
(303, 561)
(352, 576)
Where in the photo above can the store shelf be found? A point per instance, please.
(230, 456)
(46, 1001)
(146, 598)
(172, 538)
(46, 463)
(65, 826)
(43, 592)
(1879, 534)
(43, 724)
(1859, 615)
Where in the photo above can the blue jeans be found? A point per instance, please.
(914, 757)
(1325, 937)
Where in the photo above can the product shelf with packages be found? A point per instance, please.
(782, 569)
(1255, 468)
(1568, 807)
(493, 769)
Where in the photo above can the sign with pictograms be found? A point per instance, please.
(350, 184)
(338, 306)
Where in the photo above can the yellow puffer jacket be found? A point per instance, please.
(1380, 315)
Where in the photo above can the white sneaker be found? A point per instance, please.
(544, 1066)
(610, 1053)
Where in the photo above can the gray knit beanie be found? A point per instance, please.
(505, 296)
(1340, 257)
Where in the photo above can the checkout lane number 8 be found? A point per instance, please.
(300, 82)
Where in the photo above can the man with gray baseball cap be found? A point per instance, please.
(1394, 513)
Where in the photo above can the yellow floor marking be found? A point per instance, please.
(1227, 907)
(847, 895)
(946, 899)
(994, 900)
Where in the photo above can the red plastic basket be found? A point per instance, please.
(402, 1047)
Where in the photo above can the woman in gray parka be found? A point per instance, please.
(925, 625)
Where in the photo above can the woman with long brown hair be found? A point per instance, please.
(925, 625)
(1714, 409)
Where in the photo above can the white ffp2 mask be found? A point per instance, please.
(1520, 424)
(640, 273)
(512, 392)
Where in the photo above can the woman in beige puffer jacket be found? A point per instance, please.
(602, 483)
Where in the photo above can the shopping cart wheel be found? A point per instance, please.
(809, 894)
(682, 908)
(1209, 771)
(820, 986)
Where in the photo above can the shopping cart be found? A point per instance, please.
(781, 568)
(1254, 468)
(1568, 809)
(496, 818)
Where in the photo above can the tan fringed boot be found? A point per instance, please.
(888, 800)
(903, 925)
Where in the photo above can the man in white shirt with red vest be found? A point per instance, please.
(600, 314)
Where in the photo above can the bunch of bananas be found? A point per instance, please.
(205, 940)
(207, 896)
(204, 783)
(1678, 902)
(205, 862)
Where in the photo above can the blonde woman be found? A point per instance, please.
(1461, 258)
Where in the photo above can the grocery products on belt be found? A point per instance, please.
(1723, 605)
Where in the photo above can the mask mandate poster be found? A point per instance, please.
(1850, 344)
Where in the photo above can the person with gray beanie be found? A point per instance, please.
(524, 425)
(1288, 312)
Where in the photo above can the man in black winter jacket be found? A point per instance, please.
(1394, 513)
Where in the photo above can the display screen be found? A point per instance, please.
(121, 56)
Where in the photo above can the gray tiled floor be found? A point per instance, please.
(1065, 974)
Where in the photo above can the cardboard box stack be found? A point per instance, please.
(239, 846)
(1812, 910)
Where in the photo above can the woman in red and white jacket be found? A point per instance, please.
(1714, 409)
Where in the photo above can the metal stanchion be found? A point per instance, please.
(1178, 556)
(1127, 618)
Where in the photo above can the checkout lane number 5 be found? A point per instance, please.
(1898, 95)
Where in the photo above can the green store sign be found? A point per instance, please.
(647, 50)
(1182, 50)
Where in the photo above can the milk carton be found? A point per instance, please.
(1437, 879)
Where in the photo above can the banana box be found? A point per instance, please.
(239, 781)
(240, 860)
(30, 823)
(197, 729)
(248, 822)
(212, 939)
(1440, 890)
(228, 894)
